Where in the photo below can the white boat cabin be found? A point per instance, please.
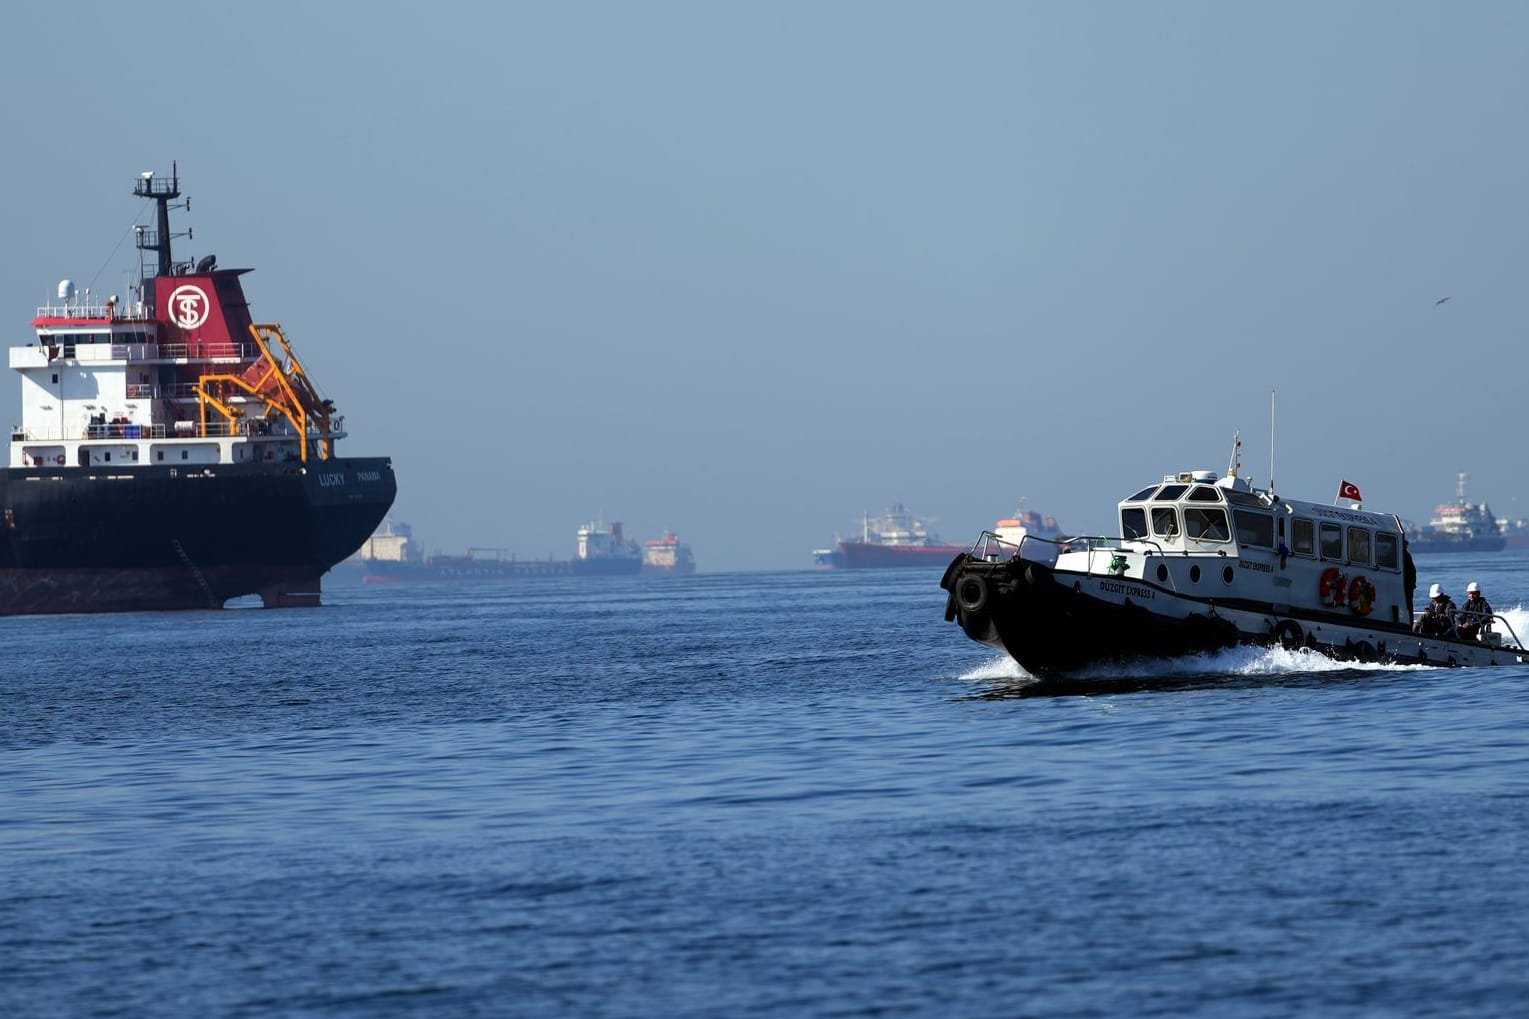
(1223, 539)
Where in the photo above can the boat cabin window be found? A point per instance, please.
(1143, 495)
(1303, 537)
(1204, 493)
(1205, 524)
(1359, 546)
(1332, 541)
(1171, 492)
(1385, 551)
(1133, 522)
(1256, 529)
(1165, 522)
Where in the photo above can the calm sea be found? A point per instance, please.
(779, 795)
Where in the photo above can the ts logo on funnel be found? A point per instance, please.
(188, 306)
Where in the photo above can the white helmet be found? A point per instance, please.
(1435, 591)
(1472, 587)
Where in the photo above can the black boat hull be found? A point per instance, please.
(162, 538)
(1048, 628)
(1051, 624)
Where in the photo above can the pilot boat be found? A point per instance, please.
(1201, 563)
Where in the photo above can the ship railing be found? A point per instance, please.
(77, 311)
(990, 548)
(111, 351)
(1492, 638)
(177, 430)
(122, 430)
(211, 352)
(1104, 553)
(1489, 636)
(115, 430)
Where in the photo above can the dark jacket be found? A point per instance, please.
(1477, 609)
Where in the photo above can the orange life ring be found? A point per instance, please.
(1361, 596)
(1334, 586)
(59, 459)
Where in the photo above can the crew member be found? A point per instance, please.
(1476, 615)
(1438, 619)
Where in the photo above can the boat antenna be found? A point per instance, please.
(1271, 440)
(1236, 464)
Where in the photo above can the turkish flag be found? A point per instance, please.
(1348, 490)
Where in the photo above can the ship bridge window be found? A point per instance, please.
(1255, 529)
(1246, 499)
(1206, 524)
(1204, 493)
(1385, 551)
(1332, 541)
(1171, 492)
(1303, 537)
(1133, 522)
(1165, 522)
(1359, 546)
(1143, 495)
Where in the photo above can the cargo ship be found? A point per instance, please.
(392, 555)
(1459, 526)
(605, 552)
(667, 556)
(172, 452)
(897, 538)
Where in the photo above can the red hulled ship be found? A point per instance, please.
(897, 538)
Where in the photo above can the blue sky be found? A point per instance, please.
(748, 271)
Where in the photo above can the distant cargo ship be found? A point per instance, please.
(1515, 533)
(391, 555)
(606, 552)
(898, 538)
(1028, 524)
(1459, 526)
(667, 556)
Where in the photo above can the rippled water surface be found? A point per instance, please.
(758, 794)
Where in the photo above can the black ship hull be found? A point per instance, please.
(189, 537)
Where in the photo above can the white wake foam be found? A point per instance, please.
(1244, 660)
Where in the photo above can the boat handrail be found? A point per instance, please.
(1488, 628)
(1507, 626)
(990, 548)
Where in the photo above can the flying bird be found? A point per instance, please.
(1440, 301)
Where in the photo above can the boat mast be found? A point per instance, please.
(162, 192)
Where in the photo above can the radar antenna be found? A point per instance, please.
(162, 192)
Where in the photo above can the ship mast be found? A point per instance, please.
(162, 192)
